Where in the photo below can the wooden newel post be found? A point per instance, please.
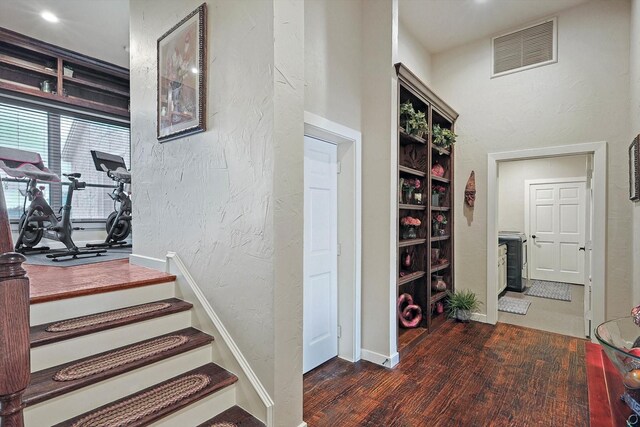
(14, 326)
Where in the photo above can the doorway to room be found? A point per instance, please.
(544, 213)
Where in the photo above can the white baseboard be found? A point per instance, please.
(303, 424)
(149, 262)
(380, 359)
(479, 317)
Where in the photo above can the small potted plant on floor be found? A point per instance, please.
(461, 304)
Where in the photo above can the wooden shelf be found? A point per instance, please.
(405, 138)
(412, 207)
(439, 268)
(438, 296)
(439, 238)
(440, 179)
(441, 151)
(411, 242)
(95, 85)
(26, 65)
(440, 208)
(410, 277)
(410, 171)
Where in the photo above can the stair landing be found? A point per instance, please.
(56, 283)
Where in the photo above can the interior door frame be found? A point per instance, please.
(599, 184)
(349, 142)
(527, 214)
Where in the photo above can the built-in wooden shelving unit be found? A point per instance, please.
(416, 157)
(36, 69)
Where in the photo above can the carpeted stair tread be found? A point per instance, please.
(70, 328)
(158, 401)
(233, 417)
(61, 379)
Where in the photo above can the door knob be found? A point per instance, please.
(581, 248)
(533, 236)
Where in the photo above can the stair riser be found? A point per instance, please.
(77, 402)
(75, 348)
(90, 304)
(202, 410)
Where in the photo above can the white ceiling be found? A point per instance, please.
(98, 28)
(444, 24)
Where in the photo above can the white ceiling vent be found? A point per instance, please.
(527, 48)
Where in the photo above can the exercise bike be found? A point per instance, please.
(118, 223)
(39, 220)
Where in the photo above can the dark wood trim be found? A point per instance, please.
(416, 84)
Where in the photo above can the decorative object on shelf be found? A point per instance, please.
(419, 124)
(443, 137)
(437, 283)
(67, 71)
(408, 187)
(415, 156)
(46, 86)
(437, 170)
(442, 260)
(409, 227)
(437, 192)
(470, 190)
(461, 304)
(406, 260)
(439, 307)
(634, 169)
(400, 192)
(435, 255)
(438, 222)
(182, 77)
(635, 313)
(417, 198)
(409, 314)
(406, 113)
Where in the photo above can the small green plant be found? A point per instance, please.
(406, 114)
(419, 123)
(444, 138)
(462, 300)
(412, 121)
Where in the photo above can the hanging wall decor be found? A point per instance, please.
(182, 76)
(470, 190)
(634, 169)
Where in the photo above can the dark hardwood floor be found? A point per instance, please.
(463, 375)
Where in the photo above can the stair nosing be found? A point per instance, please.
(44, 378)
(225, 379)
(39, 336)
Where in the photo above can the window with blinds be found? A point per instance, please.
(526, 48)
(64, 143)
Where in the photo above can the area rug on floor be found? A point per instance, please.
(110, 255)
(513, 305)
(550, 290)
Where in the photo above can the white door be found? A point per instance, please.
(320, 306)
(557, 230)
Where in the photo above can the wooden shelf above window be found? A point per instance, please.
(26, 65)
(95, 85)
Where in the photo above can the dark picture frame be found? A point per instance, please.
(634, 169)
(182, 77)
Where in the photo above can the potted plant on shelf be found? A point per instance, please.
(406, 114)
(442, 137)
(409, 227)
(408, 187)
(439, 221)
(461, 304)
(437, 191)
(419, 123)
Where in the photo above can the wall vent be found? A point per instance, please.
(527, 48)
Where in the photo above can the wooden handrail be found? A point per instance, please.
(14, 326)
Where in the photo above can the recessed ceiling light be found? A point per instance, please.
(48, 16)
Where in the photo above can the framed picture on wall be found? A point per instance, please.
(634, 169)
(182, 77)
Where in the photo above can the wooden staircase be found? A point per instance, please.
(128, 357)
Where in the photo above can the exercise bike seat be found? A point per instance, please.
(25, 164)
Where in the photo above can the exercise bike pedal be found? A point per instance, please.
(36, 250)
(110, 245)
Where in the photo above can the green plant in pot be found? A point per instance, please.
(444, 138)
(461, 304)
(419, 125)
(406, 114)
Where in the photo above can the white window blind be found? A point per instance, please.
(64, 143)
(526, 48)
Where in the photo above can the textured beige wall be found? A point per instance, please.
(229, 200)
(412, 54)
(582, 98)
(511, 178)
